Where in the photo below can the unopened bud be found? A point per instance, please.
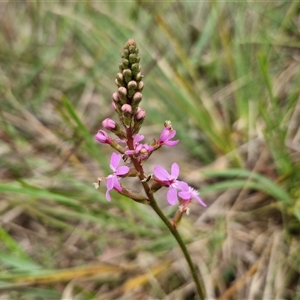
(135, 68)
(139, 117)
(132, 58)
(132, 48)
(140, 114)
(109, 124)
(127, 75)
(102, 137)
(125, 53)
(139, 76)
(119, 79)
(132, 85)
(137, 98)
(115, 97)
(122, 91)
(125, 63)
(126, 108)
(140, 86)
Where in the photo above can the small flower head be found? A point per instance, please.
(188, 193)
(103, 137)
(170, 180)
(143, 151)
(112, 180)
(165, 138)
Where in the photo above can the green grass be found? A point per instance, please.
(225, 73)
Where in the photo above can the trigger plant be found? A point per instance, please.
(131, 151)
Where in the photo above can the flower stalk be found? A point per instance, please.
(126, 103)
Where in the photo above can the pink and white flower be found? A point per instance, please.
(170, 180)
(112, 180)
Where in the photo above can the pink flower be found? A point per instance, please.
(103, 137)
(188, 193)
(112, 180)
(143, 151)
(167, 134)
(169, 180)
(136, 139)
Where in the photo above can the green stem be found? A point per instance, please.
(153, 204)
(179, 240)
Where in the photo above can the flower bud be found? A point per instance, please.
(109, 124)
(125, 53)
(119, 79)
(115, 97)
(139, 76)
(102, 137)
(113, 104)
(132, 58)
(127, 74)
(126, 108)
(135, 68)
(125, 63)
(140, 114)
(122, 91)
(140, 86)
(137, 98)
(132, 85)
(132, 48)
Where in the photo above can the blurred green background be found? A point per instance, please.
(225, 73)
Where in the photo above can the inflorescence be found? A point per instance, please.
(128, 142)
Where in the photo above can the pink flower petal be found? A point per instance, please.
(185, 195)
(171, 134)
(200, 201)
(182, 185)
(114, 161)
(161, 173)
(107, 195)
(164, 135)
(117, 185)
(129, 152)
(137, 138)
(110, 182)
(172, 196)
(171, 143)
(122, 170)
(175, 170)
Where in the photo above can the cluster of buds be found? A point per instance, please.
(130, 85)
(126, 102)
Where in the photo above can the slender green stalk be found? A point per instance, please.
(158, 211)
(181, 244)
